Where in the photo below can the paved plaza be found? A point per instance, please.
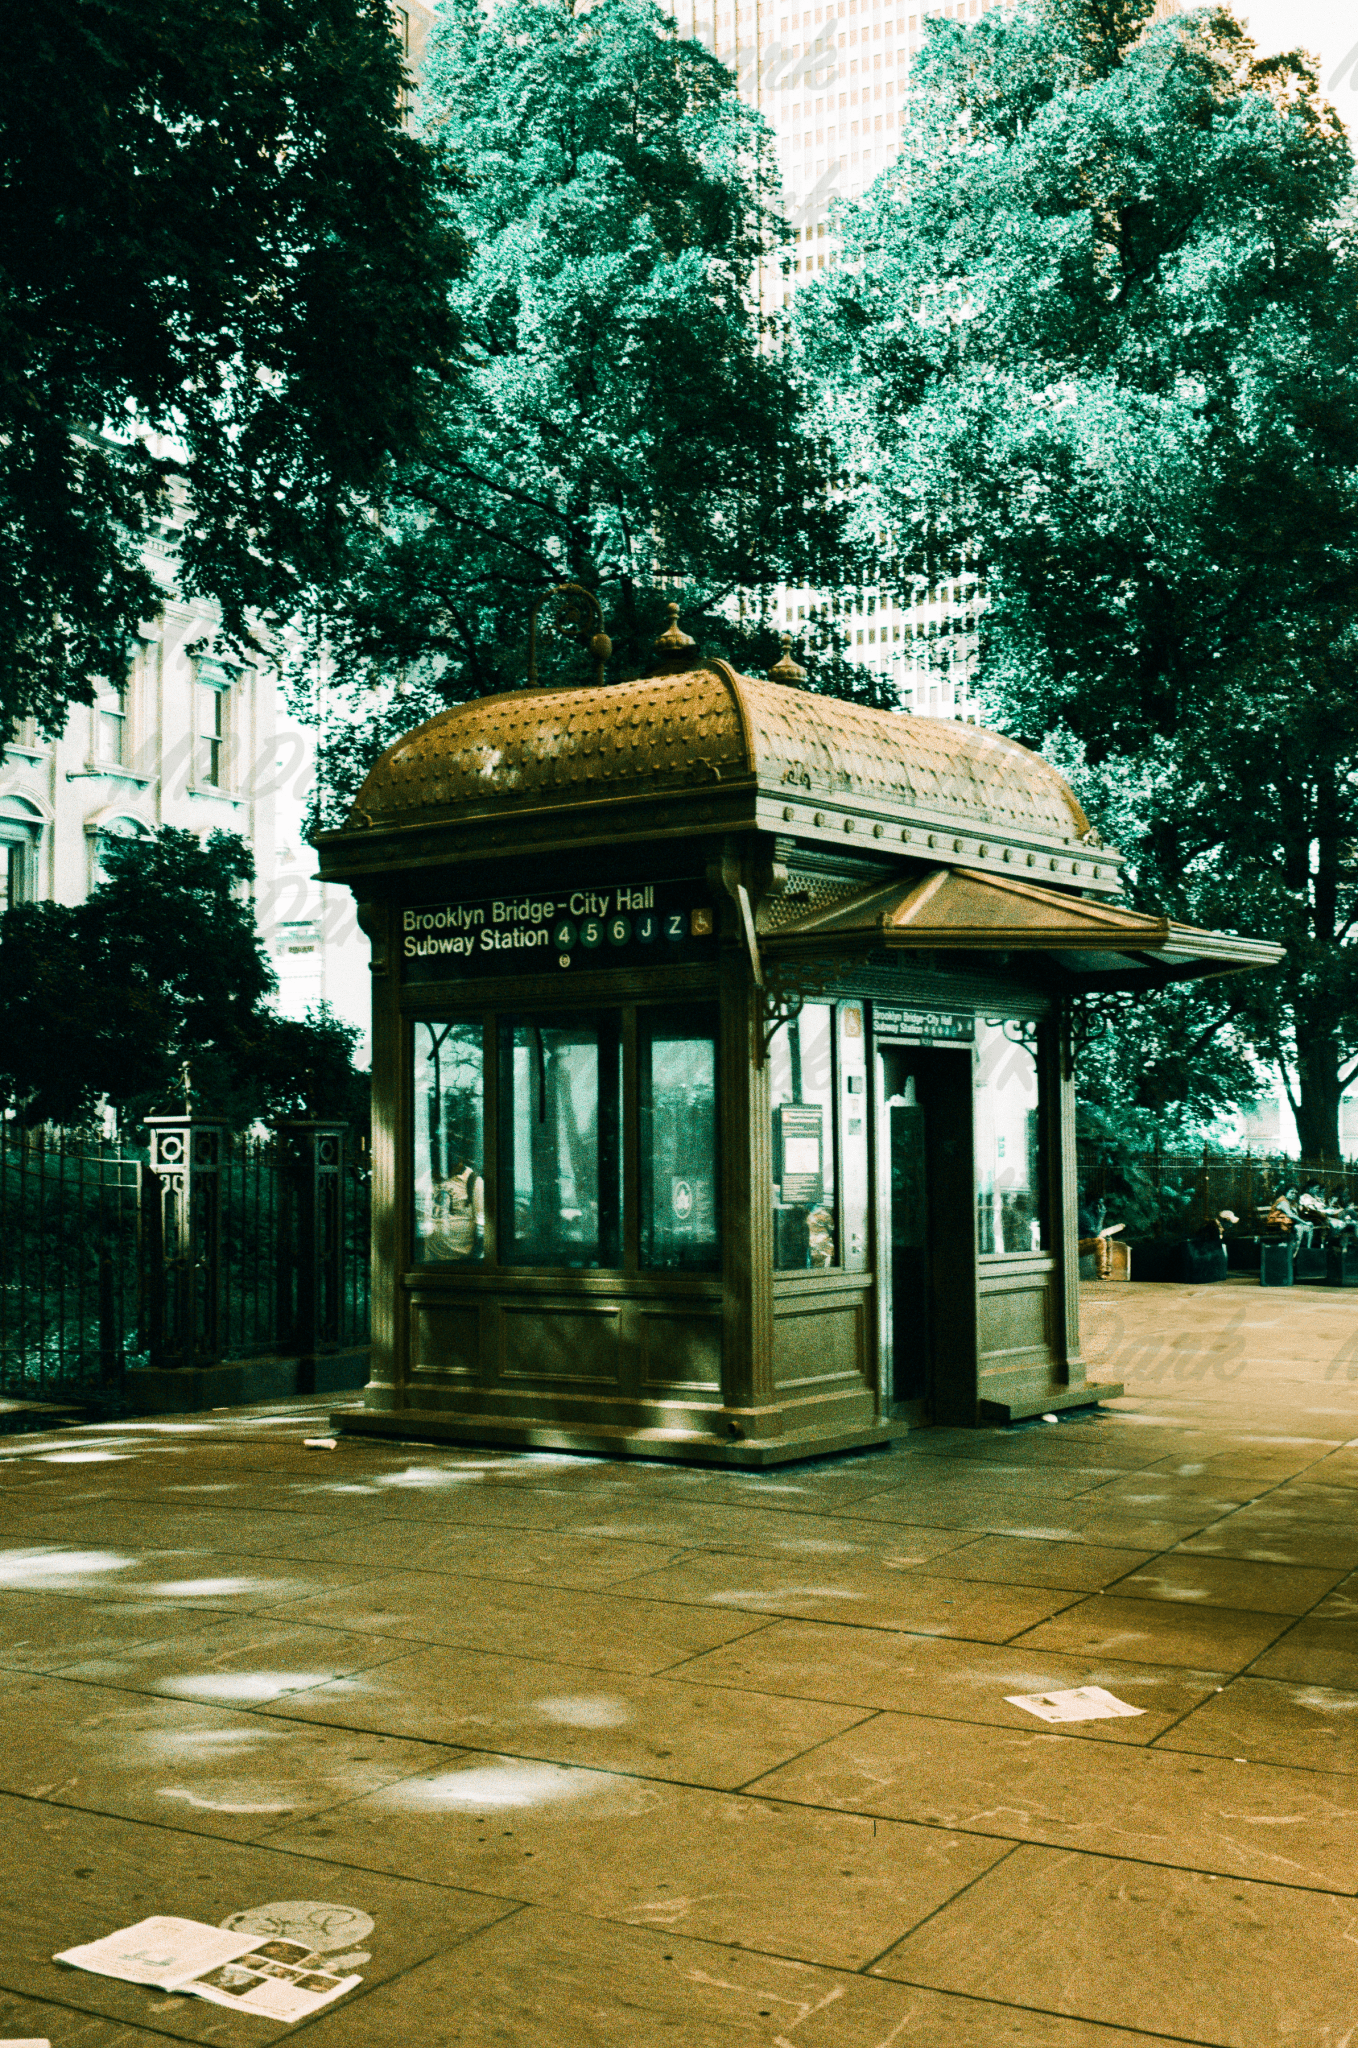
(622, 1755)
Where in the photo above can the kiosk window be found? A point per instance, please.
(677, 1075)
(802, 1092)
(560, 1145)
(450, 1211)
(1010, 1211)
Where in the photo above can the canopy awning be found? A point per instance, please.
(1086, 944)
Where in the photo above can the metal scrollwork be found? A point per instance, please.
(788, 986)
(1087, 1018)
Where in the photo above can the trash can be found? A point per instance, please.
(1204, 1262)
(1275, 1263)
(1309, 1262)
(1341, 1262)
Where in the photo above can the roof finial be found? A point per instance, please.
(785, 669)
(674, 646)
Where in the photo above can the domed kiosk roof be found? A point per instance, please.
(709, 733)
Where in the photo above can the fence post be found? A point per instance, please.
(183, 1240)
(312, 1158)
(110, 1349)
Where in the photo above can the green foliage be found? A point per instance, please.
(1104, 328)
(160, 965)
(1146, 1204)
(220, 266)
(623, 422)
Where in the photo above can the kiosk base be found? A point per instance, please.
(1055, 1402)
(423, 1425)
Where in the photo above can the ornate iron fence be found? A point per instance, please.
(82, 1257)
(69, 1280)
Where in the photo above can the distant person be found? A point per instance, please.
(457, 1223)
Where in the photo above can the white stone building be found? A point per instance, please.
(188, 739)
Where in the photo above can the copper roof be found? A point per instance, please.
(706, 726)
(957, 910)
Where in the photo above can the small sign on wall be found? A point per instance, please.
(923, 1027)
(801, 1161)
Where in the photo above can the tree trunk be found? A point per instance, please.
(1316, 1035)
(1318, 1090)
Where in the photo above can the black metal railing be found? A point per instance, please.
(82, 1257)
(69, 1270)
(1163, 1193)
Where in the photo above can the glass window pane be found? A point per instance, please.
(561, 1141)
(450, 1202)
(677, 1073)
(211, 732)
(802, 1091)
(1010, 1210)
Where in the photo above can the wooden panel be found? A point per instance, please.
(547, 1341)
(445, 1337)
(1015, 1319)
(681, 1350)
(814, 1343)
(1013, 1322)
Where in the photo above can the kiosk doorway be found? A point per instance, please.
(925, 1231)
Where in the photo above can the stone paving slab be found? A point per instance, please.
(1192, 1956)
(85, 1874)
(535, 1978)
(624, 1754)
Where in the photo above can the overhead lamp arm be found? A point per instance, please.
(576, 608)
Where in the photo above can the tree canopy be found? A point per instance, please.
(161, 964)
(221, 264)
(623, 422)
(1101, 323)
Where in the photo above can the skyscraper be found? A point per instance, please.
(829, 81)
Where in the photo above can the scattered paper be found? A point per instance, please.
(247, 1972)
(1082, 1703)
(283, 1979)
(25, 2044)
(320, 1443)
(162, 1951)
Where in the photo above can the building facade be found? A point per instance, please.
(187, 739)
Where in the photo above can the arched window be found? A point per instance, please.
(21, 824)
(110, 825)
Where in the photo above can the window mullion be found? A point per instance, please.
(631, 1144)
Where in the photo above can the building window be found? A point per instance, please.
(20, 833)
(109, 718)
(14, 854)
(450, 1205)
(1010, 1205)
(677, 1106)
(560, 1141)
(802, 1093)
(211, 734)
(102, 835)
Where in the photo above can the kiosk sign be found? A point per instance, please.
(601, 924)
(922, 1027)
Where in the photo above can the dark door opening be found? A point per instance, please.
(927, 1264)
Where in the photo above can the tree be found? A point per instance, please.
(625, 422)
(222, 295)
(1104, 329)
(161, 964)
